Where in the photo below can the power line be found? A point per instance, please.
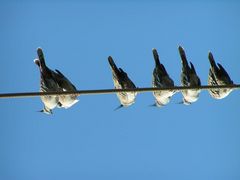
(111, 91)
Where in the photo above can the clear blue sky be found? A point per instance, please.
(91, 141)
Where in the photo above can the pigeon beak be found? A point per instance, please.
(46, 112)
(184, 102)
(153, 105)
(181, 102)
(119, 107)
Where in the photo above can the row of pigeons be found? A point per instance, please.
(55, 81)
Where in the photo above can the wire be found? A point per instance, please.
(111, 91)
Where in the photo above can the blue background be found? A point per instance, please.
(91, 140)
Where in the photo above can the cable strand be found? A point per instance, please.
(112, 91)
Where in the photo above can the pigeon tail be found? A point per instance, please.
(112, 64)
(212, 61)
(183, 56)
(156, 57)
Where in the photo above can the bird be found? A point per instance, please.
(218, 76)
(65, 101)
(189, 78)
(48, 83)
(161, 79)
(122, 81)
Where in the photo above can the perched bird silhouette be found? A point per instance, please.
(48, 83)
(190, 78)
(122, 81)
(161, 79)
(60, 82)
(218, 76)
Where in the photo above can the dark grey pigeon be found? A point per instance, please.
(218, 76)
(122, 81)
(189, 78)
(161, 79)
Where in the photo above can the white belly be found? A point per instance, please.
(191, 95)
(68, 100)
(163, 97)
(50, 101)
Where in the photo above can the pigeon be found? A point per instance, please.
(48, 83)
(161, 79)
(218, 76)
(122, 81)
(189, 78)
(65, 101)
